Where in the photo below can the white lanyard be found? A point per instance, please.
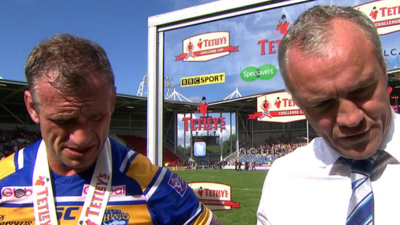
(96, 199)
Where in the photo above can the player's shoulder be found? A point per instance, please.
(123, 157)
(134, 165)
(22, 161)
(7, 166)
(120, 152)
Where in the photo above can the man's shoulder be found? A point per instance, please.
(309, 154)
(7, 166)
(16, 162)
(133, 165)
(121, 154)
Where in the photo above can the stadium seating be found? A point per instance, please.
(13, 140)
(22, 138)
(136, 143)
(139, 145)
(170, 157)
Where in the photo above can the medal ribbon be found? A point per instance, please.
(96, 199)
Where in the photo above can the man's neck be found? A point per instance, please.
(64, 170)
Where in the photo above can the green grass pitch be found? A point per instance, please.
(246, 189)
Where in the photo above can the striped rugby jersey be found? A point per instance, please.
(142, 193)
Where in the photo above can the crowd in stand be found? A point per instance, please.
(12, 141)
(265, 153)
(268, 152)
(261, 154)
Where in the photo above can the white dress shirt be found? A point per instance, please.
(306, 186)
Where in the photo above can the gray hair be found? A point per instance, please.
(69, 63)
(313, 28)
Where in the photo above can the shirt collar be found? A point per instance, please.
(331, 158)
(388, 144)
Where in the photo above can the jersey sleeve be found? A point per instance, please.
(170, 200)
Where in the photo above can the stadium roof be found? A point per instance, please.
(12, 100)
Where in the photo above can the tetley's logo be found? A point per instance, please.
(215, 196)
(271, 46)
(204, 122)
(207, 46)
(283, 25)
(203, 107)
(277, 107)
(384, 14)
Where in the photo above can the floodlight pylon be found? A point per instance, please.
(235, 94)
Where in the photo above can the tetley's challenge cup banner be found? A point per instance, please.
(204, 47)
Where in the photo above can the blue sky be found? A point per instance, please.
(120, 27)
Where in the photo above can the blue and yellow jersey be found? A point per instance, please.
(141, 192)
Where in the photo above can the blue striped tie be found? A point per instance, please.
(361, 206)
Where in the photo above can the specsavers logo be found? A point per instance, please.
(207, 46)
(264, 72)
(384, 14)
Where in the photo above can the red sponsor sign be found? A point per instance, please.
(384, 14)
(277, 107)
(208, 52)
(220, 202)
(215, 196)
(204, 123)
(387, 23)
(206, 46)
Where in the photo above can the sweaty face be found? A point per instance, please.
(344, 94)
(74, 127)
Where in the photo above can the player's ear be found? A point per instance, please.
(30, 106)
(113, 99)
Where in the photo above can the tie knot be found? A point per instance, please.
(362, 166)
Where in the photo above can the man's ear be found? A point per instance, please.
(30, 106)
(114, 99)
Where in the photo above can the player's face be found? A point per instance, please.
(74, 128)
(343, 95)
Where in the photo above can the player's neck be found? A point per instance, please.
(64, 170)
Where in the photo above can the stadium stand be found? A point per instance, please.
(129, 124)
(267, 153)
(134, 142)
(139, 145)
(170, 157)
(13, 140)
